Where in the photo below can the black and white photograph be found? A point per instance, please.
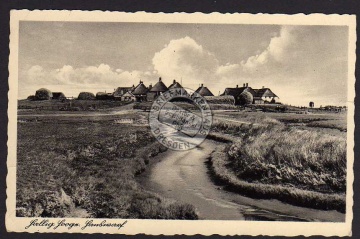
(185, 119)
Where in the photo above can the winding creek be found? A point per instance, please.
(183, 176)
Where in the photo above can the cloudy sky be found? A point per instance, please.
(299, 63)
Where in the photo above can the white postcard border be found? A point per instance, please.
(175, 227)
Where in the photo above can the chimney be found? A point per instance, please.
(237, 86)
(174, 81)
(244, 85)
(202, 85)
(247, 84)
(159, 78)
(263, 87)
(150, 86)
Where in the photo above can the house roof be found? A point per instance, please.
(175, 84)
(204, 91)
(140, 89)
(122, 90)
(159, 87)
(128, 94)
(237, 91)
(264, 92)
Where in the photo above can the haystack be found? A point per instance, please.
(43, 94)
(104, 96)
(58, 96)
(224, 99)
(86, 96)
(246, 98)
(31, 97)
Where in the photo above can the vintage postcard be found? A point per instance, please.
(165, 124)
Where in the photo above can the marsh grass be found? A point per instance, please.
(290, 161)
(94, 163)
(292, 195)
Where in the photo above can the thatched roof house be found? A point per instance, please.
(120, 91)
(259, 95)
(175, 84)
(86, 96)
(140, 92)
(159, 87)
(58, 96)
(156, 90)
(128, 96)
(43, 94)
(204, 91)
(223, 99)
(264, 94)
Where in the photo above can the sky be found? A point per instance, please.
(298, 63)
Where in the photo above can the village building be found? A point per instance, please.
(204, 91)
(140, 92)
(120, 91)
(156, 90)
(260, 96)
(58, 96)
(128, 96)
(175, 84)
(237, 91)
(264, 95)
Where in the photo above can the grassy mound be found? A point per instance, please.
(266, 158)
(219, 165)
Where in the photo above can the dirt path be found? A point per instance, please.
(183, 175)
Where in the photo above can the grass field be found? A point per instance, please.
(73, 166)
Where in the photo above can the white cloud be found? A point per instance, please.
(185, 58)
(102, 74)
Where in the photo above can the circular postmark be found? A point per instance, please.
(180, 119)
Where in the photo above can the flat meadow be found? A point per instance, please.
(86, 166)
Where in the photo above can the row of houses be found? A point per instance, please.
(141, 93)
